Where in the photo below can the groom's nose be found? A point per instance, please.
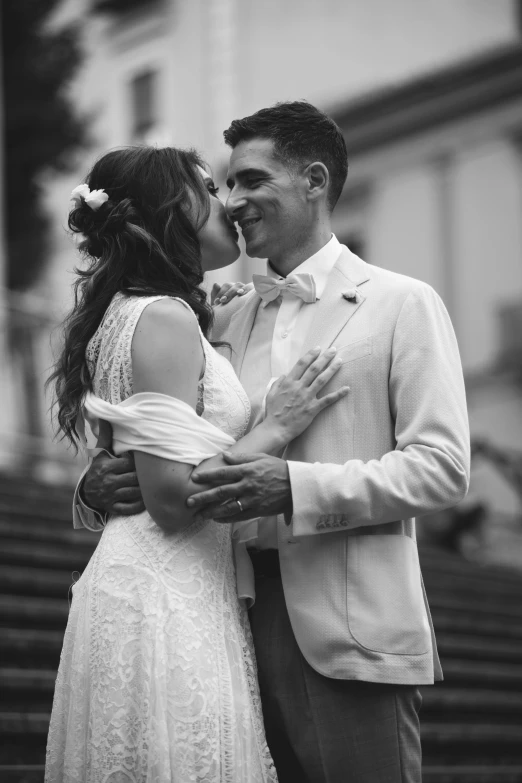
(235, 203)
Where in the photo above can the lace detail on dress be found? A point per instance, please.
(157, 680)
(226, 403)
(108, 352)
(221, 398)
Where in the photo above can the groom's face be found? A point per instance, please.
(266, 199)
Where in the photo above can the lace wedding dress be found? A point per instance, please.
(157, 680)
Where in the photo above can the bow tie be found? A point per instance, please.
(300, 284)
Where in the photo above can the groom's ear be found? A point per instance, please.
(318, 180)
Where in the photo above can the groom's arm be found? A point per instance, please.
(427, 471)
(109, 485)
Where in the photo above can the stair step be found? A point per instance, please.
(490, 743)
(42, 509)
(59, 531)
(470, 588)
(472, 734)
(11, 487)
(443, 563)
(441, 697)
(27, 689)
(479, 608)
(23, 749)
(483, 673)
(22, 611)
(18, 580)
(21, 492)
(24, 737)
(478, 647)
(439, 562)
(472, 774)
(24, 723)
(34, 773)
(22, 773)
(43, 555)
(467, 623)
(30, 648)
(17, 485)
(34, 680)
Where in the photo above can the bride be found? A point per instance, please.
(157, 680)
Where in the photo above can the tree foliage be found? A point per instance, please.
(41, 131)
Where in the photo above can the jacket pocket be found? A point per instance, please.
(356, 350)
(385, 601)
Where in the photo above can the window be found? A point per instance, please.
(117, 6)
(510, 353)
(144, 105)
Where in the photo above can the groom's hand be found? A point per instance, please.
(260, 482)
(111, 485)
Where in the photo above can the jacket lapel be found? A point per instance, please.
(333, 310)
(239, 329)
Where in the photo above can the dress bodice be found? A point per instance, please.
(221, 399)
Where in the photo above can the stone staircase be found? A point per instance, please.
(471, 723)
(39, 555)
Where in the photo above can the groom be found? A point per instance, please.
(341, 626)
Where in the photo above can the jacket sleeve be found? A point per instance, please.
(429, 468)
(83, 515)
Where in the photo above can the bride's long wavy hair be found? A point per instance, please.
(142, 241)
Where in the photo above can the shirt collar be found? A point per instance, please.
(319, 265)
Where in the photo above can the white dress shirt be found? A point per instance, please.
(275, 344)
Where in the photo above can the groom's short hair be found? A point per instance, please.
(300, 134)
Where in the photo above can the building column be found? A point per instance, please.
(221, 73)
(3, 263)
(7, 411)
(510, 315)
(443, 166)
(222, 98)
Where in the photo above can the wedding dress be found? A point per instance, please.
(157, 680)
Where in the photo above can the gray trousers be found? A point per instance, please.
(321, 730)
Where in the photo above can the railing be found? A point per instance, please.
(27, 446)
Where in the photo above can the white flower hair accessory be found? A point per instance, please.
(93, 198)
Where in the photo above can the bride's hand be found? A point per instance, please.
(222, 294)
(292, 403)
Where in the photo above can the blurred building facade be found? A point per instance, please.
(435, 192)
(429, 97)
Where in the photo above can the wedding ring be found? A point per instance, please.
(240, 505)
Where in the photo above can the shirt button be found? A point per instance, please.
(284, 334)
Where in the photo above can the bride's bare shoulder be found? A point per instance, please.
(167, 313)
(167, 354)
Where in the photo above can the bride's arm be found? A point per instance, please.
(167, 357)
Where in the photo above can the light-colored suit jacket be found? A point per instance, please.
(395, 448)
